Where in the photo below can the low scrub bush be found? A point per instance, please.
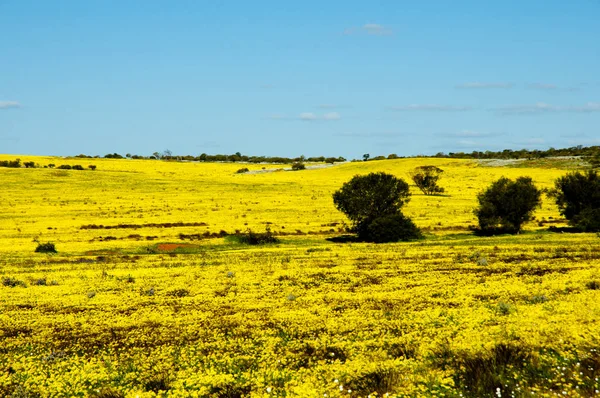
(47, 247)
(392, 228)
(12, 282)
(298, 166)
(243, 170)
(254, 238)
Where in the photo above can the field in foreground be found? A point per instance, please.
(145, 299)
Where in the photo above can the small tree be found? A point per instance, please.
(298, 166)
(577, 196)
(375, 199)
(426, 179)
(507, 204)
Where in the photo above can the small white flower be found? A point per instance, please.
(336, 381)
(269, 390)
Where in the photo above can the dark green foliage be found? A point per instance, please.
(242, 170)
(65, 167)
(365, 199)
(51, 166)
(506, 205)
(113, 156)
(255, 238)
(593, 285)
(29, 165)
(391, 228)
(15, 164)
(426, 179)
(298, 166)
(577, 196)
(77, 167)
(92, 167)
(12, 282)
(45, 248)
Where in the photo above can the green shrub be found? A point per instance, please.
(48, 247)
(254, 238)
(243, 170)
(77, 167)
(12, 282)
(64, 167)
(92, 167)
(506, 205)
(15, 164)
(577, 196)
(298, 166)
(376, 198)
(391, 228)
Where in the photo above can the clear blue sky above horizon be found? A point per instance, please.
(291, 78)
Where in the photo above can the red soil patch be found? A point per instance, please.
(169, 247)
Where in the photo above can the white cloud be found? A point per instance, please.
(331, 116)
(484, 85)
(9, 104)
(373, 29)
(430, 108)
(542, 108)
(307, 117)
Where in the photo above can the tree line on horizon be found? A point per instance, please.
(591, 153)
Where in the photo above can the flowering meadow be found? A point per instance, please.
(148, 295)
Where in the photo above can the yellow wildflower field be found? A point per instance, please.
(147, 297)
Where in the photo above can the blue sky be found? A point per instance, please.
(297, 77)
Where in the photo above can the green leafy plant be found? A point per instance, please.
(506, 205)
